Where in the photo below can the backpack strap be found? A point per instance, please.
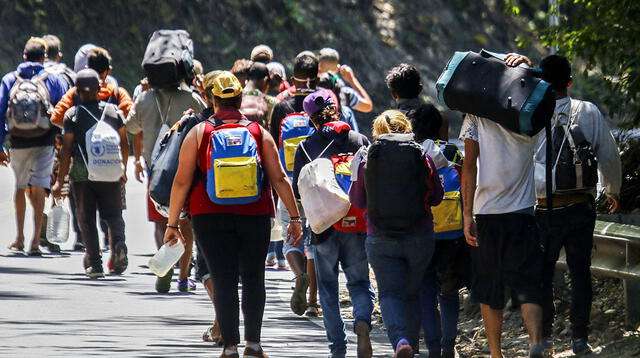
(319, 155)
(164, 118)
(104, 111)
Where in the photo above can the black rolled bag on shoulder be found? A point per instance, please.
(168, 58)
(483, 85)
(514, 97)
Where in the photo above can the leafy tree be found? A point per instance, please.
(603, 35)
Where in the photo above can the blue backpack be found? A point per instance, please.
(447, 216)
(294, 128)
(234, 165)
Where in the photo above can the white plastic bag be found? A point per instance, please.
(58, 223)
(323, 199)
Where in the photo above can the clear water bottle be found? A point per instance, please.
(58, 223)
(166, 258)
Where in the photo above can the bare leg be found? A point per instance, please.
(532, 316)
(208, 285)
(296, 262)
(161, 227)
(36, 197)
(21, 206)
(313, 284)
(492, 320)
(185, 260)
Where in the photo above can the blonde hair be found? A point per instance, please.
(391, 121)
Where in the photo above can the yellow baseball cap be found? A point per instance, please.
(226, 85)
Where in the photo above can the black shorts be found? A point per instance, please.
(509, 255)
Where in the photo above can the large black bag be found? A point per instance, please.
(168, 59)
(164, 164)
(396, 186)
(483, 85)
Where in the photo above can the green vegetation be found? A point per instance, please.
(602, 35)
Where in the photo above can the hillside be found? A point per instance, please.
(371, 35)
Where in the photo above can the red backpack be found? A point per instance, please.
(354, 221)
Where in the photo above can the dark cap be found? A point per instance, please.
(87, 80)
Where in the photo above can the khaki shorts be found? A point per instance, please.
(32, 166)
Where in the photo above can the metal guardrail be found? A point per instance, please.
(616, 254)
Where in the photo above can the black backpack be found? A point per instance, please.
(396, 182)
(164, 164)
(168, 59)
(575, 167)
(483, 85)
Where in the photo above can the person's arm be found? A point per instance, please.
(124, 101)
(138, 147)
(68, 141)
(470, 170)
(280, 182)
(437, 193)
(124, 150)
(66, 102)
(358, 193)
(182, 183)
(608, 156)
(365, 104)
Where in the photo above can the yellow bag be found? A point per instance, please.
(448, 215)
(290, 146)
(236, 177)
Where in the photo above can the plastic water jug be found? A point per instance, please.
(58, 223)
(165, 258)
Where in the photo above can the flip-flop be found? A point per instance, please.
(34, 253)
(13, 247)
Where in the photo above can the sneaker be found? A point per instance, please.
(536, 351)
(581, 347)
(163, 284)
(298, 302)
(403, 350)
(364, 341)
(110, 267)
(313, 310)
(53, 248)
(250, 352)
(78, 246)
(120, 260)
(282, 265)
(186, 285)
(270, 262)
(94, 271)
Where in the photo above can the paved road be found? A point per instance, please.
(48, 308)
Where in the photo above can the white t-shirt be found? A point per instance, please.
(505, 181)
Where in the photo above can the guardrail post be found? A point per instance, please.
(632, 289)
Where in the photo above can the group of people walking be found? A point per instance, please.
(265, 151)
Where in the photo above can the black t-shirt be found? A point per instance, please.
(79, 121)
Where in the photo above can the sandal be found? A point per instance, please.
(15, 248)
(34, 253)
(208, 336)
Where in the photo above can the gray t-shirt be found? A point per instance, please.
(156, 107)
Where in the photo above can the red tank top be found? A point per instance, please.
(199, 202)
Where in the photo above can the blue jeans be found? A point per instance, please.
(348, 250)
(275, 249)
(440, 326)
(399, 265)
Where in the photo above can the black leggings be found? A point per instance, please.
(235, 245)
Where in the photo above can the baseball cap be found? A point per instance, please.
(226, 85)
(207, 81)
(317, 101)
(87, 80)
